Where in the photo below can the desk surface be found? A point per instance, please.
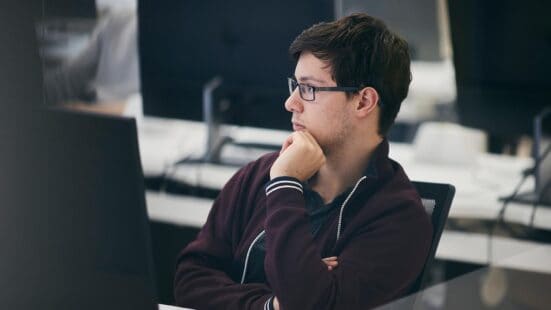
(485, 288)
(167, 307)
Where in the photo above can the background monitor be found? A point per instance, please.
(69, 9)
(185, 44)
(21, 72)
(501, 53)
(417, 21)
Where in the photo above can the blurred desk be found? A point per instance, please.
(495, 287)
(485, 288)
(479, 185)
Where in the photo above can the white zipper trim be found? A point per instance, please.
(344, 204)
(284, 186)
(249, 253)
(283, 182)
(267, 303)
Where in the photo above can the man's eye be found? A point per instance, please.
(308, 89)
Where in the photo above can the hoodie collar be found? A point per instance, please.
(379, 166)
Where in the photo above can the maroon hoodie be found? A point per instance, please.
(381, 235)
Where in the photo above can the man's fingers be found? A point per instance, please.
(330, 262)
(286, 143)
(329, 258)
(309, 137)
(300, 157)
(276, 303)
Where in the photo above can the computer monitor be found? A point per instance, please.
(72, 9)
(184, 45)
(79, 234)
(21, 71)
(501, 53)
(417, 21)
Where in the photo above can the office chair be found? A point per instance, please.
(437, 199)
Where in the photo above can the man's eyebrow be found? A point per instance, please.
(304, 79)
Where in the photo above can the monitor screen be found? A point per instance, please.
(502, 62)
(21, 71)
(185, 44)
(417, 21)
(69, 9)
(80, 231)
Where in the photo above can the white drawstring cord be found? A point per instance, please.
(344, 204)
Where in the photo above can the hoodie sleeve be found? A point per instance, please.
(202, 280)
(376, 264)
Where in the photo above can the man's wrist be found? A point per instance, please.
(279, 174)
(271, 304)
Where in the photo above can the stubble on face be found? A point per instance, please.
(334, 139)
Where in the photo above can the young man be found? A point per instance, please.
(330, 222)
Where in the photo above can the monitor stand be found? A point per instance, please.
(217, 140)
(541, 195)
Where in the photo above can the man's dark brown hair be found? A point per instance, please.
(361, 52)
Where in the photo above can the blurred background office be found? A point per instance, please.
(89, 51)
(206, 81)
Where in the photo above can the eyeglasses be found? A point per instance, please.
(308, 92)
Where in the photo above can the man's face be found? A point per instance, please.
(328, 117)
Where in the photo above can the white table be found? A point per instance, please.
(478, 187)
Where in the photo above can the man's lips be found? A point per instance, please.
(298, 126)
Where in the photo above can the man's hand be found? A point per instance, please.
(331, 262)
(300, 157)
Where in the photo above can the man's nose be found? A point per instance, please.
(294, 102)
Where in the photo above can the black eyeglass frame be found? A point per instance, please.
(293, 84)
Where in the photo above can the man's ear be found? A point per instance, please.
(368, 98)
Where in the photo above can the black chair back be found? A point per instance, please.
(437, 199)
